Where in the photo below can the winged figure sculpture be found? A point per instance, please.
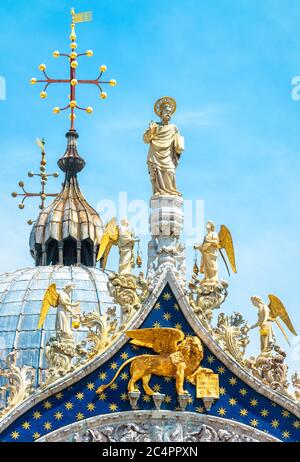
(178, 358)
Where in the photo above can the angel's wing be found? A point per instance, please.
(110, 237)
(161, 340)
(278, 309)
(50, 299)
(225, 242)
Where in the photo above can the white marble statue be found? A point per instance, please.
(66, 311)
(126, 243)
(166, 146)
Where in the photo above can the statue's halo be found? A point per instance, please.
(162, 101)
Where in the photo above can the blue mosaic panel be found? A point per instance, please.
(237, 401)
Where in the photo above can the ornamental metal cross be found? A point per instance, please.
(44, 178)
(73, 81)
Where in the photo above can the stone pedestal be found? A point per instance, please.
(158, 399)
(133, 397)
(183, 401)
(165, 248)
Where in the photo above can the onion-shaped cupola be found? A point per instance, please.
(68, 231)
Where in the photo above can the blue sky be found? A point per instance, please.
(228, 63)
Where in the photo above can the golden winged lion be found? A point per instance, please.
(178, 357)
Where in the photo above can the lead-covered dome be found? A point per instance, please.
(67, 231)
(21, 295)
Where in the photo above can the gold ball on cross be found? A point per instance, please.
(89, 109)
(56, 110)
(42, 67)
(89, 53)
(33, 80)
(74, 82)
(103, 95)
(74, 64)
(112, 82)
(43, 94)
(73, 103)
(73, 55)
(56, 54)
(103, 68)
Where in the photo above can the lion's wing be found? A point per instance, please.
(161, 340)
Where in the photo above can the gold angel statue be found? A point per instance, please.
(267, 314)
(66, 311)
(213, 244)
(178, 357)
(124, 237)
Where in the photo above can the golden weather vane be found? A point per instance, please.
(44, 178)
(73, 81)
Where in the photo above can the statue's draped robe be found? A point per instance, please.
(63, 322)
(126, 245)
(209, 260)
(165, 147)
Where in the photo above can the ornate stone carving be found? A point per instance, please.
(271, 370)
(160, 432)
(129, 291)
(206, 298)
(101, 330)
(165, 248)
(59, 351)
(296, 385)
(232, 335)
(19, 383)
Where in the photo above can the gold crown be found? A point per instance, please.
(165, 100)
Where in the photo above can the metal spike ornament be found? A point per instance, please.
(73, 82)
(44, 178)
(196, 267)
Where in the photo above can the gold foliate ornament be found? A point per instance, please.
(165, 100)
(72, 116)
(178, 358)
